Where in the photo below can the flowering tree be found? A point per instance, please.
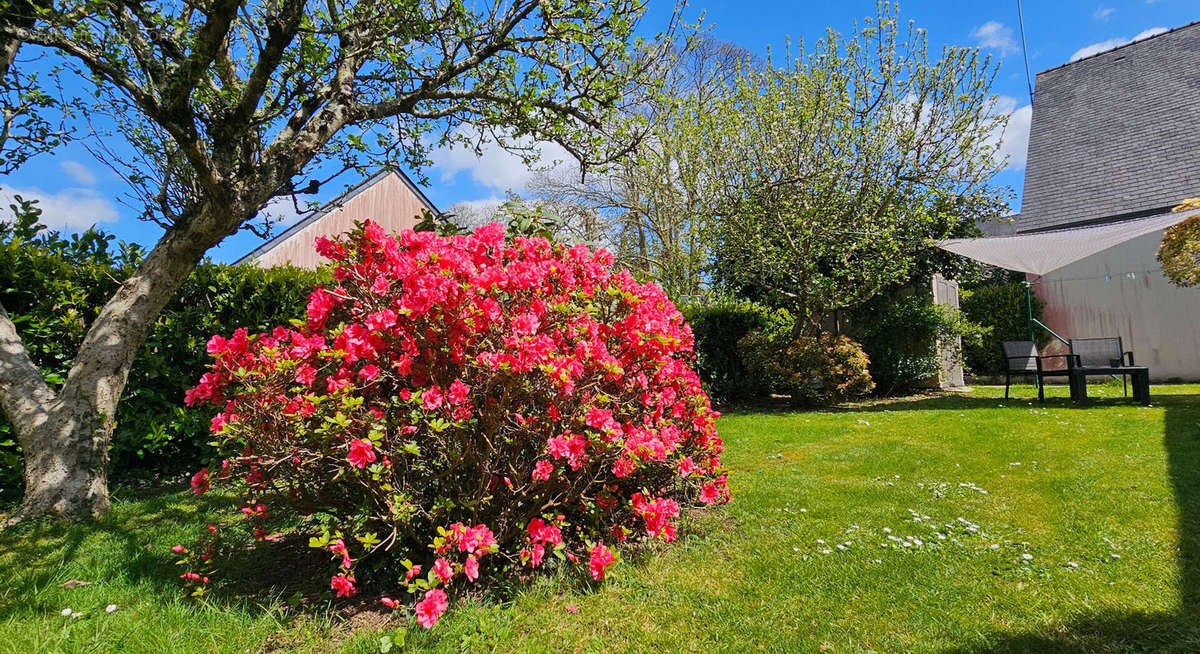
(832, 171)
(469, 403)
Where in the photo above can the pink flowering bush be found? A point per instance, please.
(466, 407)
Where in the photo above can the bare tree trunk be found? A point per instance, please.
(65, 437)
(66, 461)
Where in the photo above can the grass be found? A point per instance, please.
(1104, 500)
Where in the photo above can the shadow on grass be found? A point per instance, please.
(132, 543)
(1138, 631)
(135, 547)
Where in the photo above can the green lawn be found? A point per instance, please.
(1105, 501)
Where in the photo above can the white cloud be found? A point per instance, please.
(1103, 13)
(70, 208)
(282, 210)
(993, 35)
(1013, 140)
(1096, 48)
(1145, 34)
(493, 166)
(82, 175)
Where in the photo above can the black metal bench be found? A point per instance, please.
(1105, 356)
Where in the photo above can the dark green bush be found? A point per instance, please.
(901, 335)
(52, 287)
(1002, 313)
(813, 371)
(717, 327)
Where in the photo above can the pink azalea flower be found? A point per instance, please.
(432, 398)
(709, 493)
(339, 548)
(525, 324)
(477, 540)
(442, 569)
(305, 374)
(471, 568)
(542, 470)
(601, 559)
(431, 608)
(344, 585)
(361, 453)
(458, 392)
(687, 467)
(369, 371)
(200, 483)
(623, 467)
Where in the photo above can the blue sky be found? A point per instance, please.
(76, 190)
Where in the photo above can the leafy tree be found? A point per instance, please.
(1179, 253)
(227, 104)
(653, 208)
(835, 169)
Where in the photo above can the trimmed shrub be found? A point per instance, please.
(1001, 312)
(52, 287)
(901, 336)
(814, 371)
(462, 407)
(718, 326)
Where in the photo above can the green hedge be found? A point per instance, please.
(1001, 311)
(900, 336)
(52, 286)
(718, 325)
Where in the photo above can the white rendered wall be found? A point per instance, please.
(1098, 296)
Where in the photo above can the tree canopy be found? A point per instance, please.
(836, 168)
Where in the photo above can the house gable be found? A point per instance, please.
(387, 197)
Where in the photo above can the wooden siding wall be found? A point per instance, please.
(389, 202)
(1097, 297)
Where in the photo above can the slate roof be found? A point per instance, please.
(1115, 135)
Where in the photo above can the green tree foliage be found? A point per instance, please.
(52, 286)
(1002, 314)
(902, 336)
(836, 168)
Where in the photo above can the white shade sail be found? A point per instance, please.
(1043, 252)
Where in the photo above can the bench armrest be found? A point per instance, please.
(1129, 358)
